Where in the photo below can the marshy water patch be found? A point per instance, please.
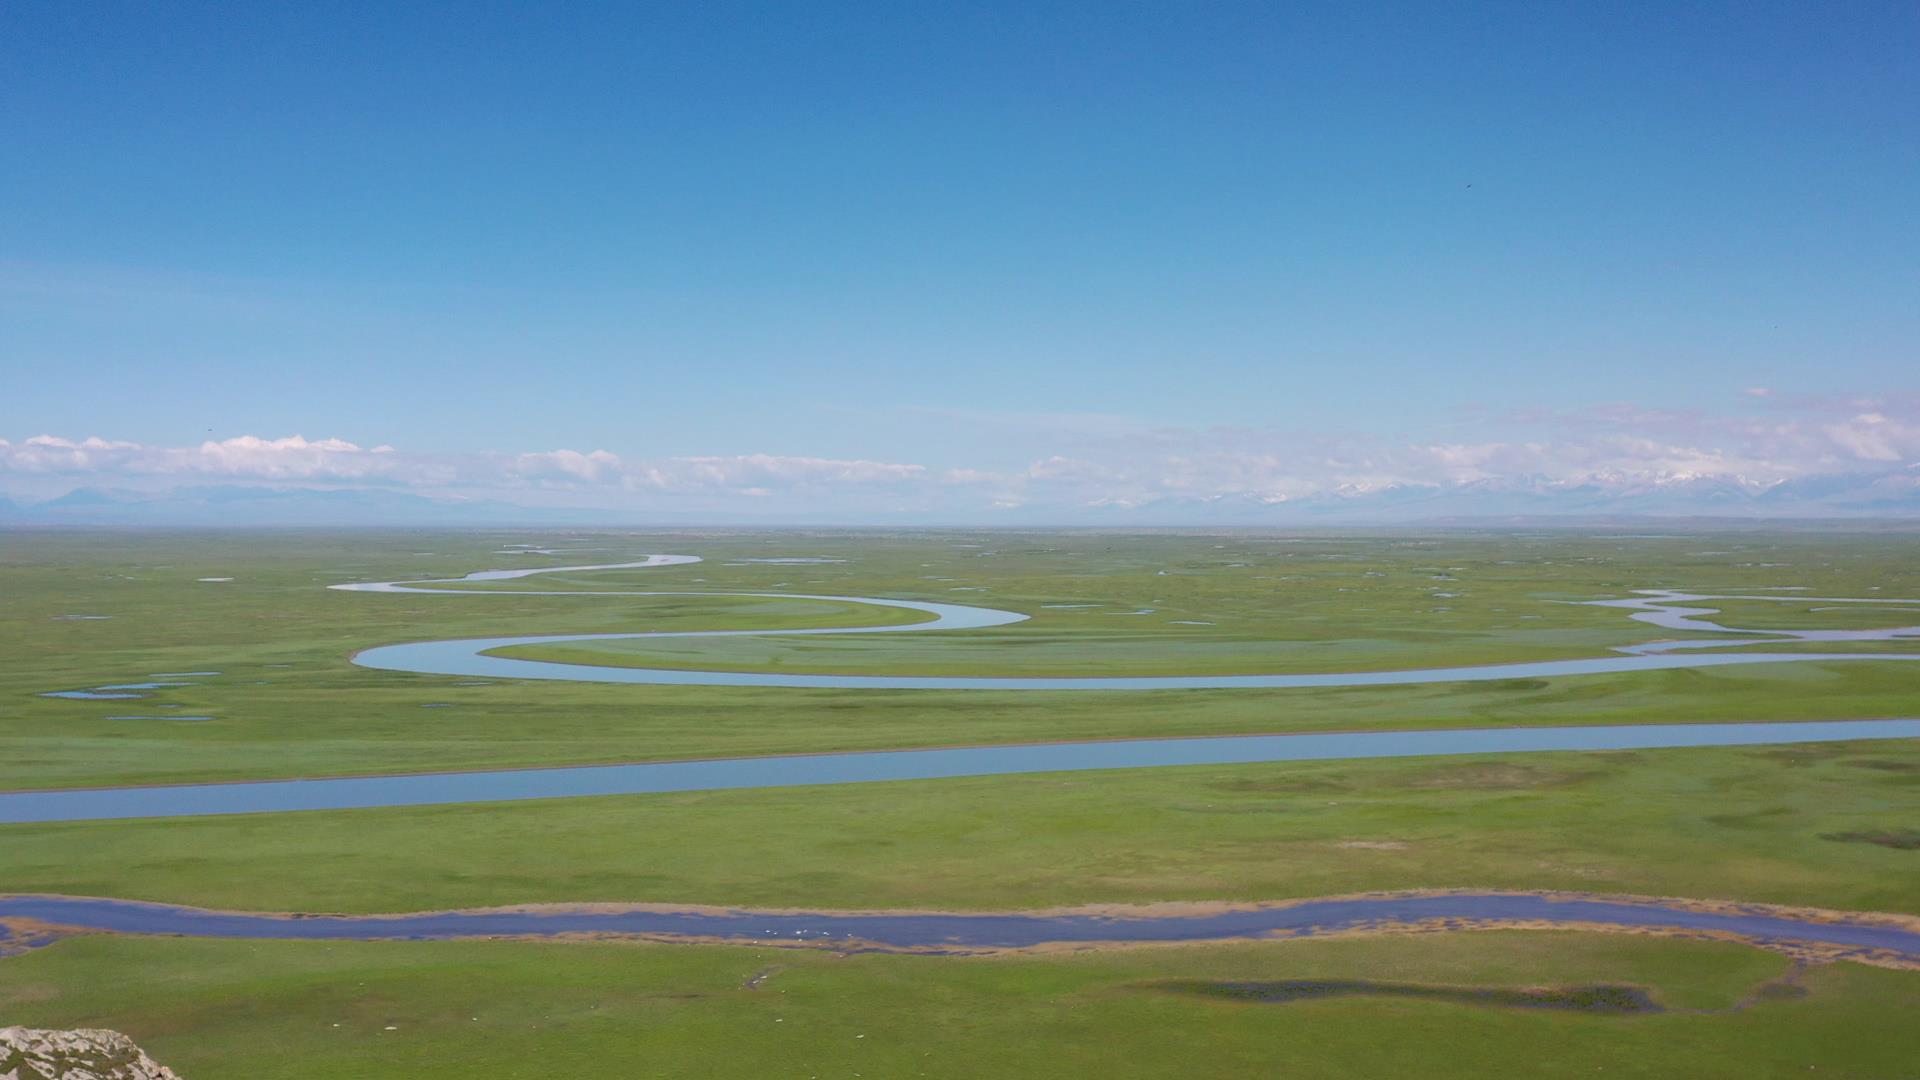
(92, 695)
(1587, 999)
(791, 560)
(130, 691)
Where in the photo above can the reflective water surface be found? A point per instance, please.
(1661, 607)
(979, 931)
(793, 770)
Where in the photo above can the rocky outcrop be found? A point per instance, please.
(85, 1054)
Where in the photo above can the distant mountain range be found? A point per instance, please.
(1884, 495)
(263, 506)
(1894, 494)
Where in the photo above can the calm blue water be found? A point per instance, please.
(343, 793)
(91, 695)
(959, 931)
(464, 657)
(1659, 607)
(113, 691)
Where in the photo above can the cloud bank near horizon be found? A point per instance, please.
(1097, 463)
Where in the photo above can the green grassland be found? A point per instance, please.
(306, 1011)
(1750, 824)
(1816, 825)
(288, 702)
(1797, 614)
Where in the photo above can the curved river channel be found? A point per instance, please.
(1891, 940)
(469, 656)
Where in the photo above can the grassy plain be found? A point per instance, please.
(307, 1011)
(1733, 824)
(1793, 825)
(288, 703)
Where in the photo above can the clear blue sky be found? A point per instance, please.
(872, 231)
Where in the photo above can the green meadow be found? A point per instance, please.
(1752, 823)
(288, 703)
(1826, 826)
(305, 1011)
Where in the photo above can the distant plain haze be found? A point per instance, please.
(1076, 263)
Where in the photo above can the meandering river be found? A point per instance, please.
(802, 770)
(27, 920)
(468, 657)
(1885, 939)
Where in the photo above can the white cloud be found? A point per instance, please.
(766, 473)
(1872, 437)
(246, 457)
(297, 459)
(1614, 446)
(290, 458)
(597, 466)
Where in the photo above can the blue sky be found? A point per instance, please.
(1067, 252)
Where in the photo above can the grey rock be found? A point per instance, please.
(83, 1054)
